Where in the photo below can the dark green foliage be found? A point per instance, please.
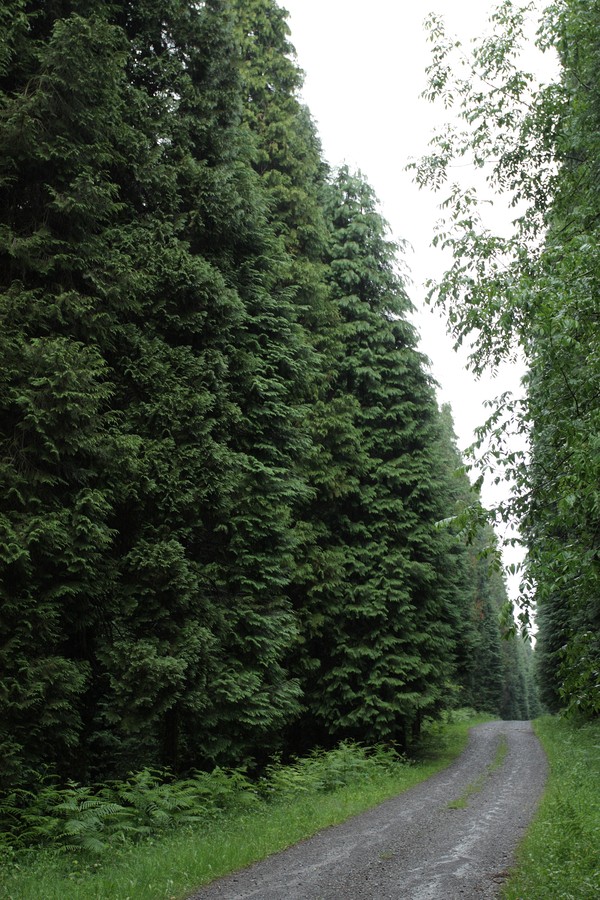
(377, 625)
(149, 359)
(515, 701)
(60, 448)
(484, 666)
(493, 669)
(220, 454)
(89, 820)
(468, 572)
(553, 626)
(494, 666)
(288, 153)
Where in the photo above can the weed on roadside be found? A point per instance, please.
(559, 857)
(191, 843)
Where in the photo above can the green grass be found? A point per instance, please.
(501, 751)
(170, 867)
(475, 786)
(560, 856)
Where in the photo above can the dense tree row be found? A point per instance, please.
(221, 458)
(538, 290)
(564, 385)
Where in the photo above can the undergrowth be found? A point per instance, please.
(559, 857)
(153, 837)
(92, 819)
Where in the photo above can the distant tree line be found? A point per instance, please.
(223, 465)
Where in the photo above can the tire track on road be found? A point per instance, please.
(419, 845)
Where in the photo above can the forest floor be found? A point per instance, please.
(452, 837)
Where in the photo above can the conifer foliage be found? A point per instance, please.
(147, 426)
(381, 641)
(220, 450)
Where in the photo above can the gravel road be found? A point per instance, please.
(450, 837)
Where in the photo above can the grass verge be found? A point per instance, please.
(560, 856)
(171, 867)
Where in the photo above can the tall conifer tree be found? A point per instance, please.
(378, 634)
(150, 354)
(289, 163)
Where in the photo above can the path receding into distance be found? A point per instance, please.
(452, 837)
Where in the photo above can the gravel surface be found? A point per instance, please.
(416, 846)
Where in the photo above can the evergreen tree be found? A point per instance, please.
(493, 670)
(289, 163)
(150, 354)
(288, 152)
(61, 448)
(377, 626)
(483, 671)
(463, 570)
(519, 695)
(489, 672)
(554, 627)
(222, 461)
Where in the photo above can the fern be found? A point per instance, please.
(90, 819)
(152, 804)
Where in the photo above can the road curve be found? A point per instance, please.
(450, 838)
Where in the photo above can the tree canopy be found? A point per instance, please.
(535, 291)
(222, 460)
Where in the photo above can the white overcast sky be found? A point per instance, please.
(364, 65)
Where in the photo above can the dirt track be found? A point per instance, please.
(416, 846)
